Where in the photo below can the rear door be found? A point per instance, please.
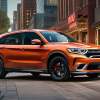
(12, 50)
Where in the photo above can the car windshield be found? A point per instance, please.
(57, 37)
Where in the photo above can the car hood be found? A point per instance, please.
(77, 45)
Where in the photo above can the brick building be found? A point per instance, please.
(80, 19)
(97, 22)
(28, 9)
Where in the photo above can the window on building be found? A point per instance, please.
(97, 3)
(85, 2)
(81, 3)
(52, 2)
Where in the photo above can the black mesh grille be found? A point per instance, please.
(94, 52)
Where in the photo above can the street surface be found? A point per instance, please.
(19, 86)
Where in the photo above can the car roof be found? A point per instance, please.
(25, 30)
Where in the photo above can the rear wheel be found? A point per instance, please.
(2, 70)
(59, 69)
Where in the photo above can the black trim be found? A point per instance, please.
(83, 73)
(27, 70)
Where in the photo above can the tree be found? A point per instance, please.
(4, 22)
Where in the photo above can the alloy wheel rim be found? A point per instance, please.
(58, 68)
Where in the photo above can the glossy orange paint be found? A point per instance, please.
(36, 56)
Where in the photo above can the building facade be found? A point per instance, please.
(19, 17)
(3, 5)
(87, 19)
(62, 13)
(80, 19)
(28, 9)
(38, 18)
(14, 25)
(46, 14)
(97, 22)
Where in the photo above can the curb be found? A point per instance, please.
(1, 95)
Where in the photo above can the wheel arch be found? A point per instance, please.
(1, 57)
(54, 54)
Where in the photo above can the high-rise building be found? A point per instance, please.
(50, 15)
(19, 16)
(46, 14)
(28, 9)
(14, 26)
(3, 5)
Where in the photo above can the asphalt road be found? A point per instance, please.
(25, 87)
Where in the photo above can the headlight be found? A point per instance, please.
(77, 50)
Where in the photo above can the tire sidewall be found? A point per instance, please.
(2, 69)
(66, 70)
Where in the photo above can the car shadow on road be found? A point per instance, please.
(48, 78)
(83, 79)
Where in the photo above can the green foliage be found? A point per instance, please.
(4, 22)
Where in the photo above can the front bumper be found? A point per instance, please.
(85, 72)
(85, 66)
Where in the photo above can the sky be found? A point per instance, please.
(12, 5)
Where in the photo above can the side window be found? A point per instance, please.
(13, 39)
(29, 36)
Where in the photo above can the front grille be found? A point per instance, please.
(93, 53)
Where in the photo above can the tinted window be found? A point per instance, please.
(57, 37)
(13, 39)
(29, 36)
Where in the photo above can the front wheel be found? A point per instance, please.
(58, 68)
(2, 70)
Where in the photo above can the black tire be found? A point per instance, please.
(35, 74)
(58, 68)
(2, 70)
(93, 75)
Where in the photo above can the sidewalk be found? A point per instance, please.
(2, 88)
(1, 95)
(8, 90)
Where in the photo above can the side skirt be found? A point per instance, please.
(27, 70)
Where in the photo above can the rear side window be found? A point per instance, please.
(13, 39)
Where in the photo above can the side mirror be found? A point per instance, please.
(36, 41)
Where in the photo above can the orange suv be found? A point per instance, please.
(44, 51)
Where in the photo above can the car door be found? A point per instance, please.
(13, 50)
(34, 55)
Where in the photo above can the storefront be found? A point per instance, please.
(78, 27)
(97, 25)
(97, 40)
